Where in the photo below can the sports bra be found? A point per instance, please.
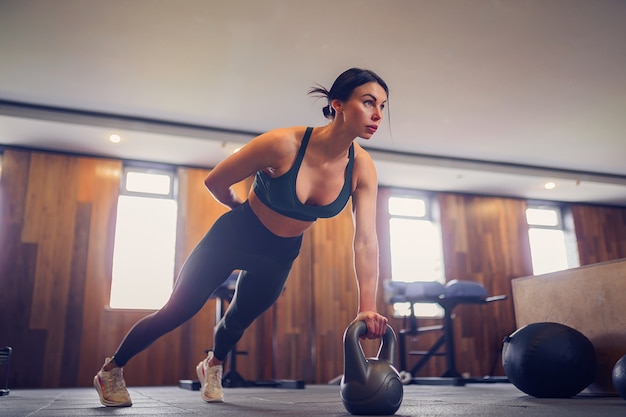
(279, 193)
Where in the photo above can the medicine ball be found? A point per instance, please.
(549, 360)
(619, 377)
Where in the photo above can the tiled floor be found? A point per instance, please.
(486, 400)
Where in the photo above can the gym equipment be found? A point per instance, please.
(370, 386)
(5, 359)
(549, 360)
(619, 377)
(449, 296)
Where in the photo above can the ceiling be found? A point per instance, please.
(491, 97)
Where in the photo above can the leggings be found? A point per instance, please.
(237, 240)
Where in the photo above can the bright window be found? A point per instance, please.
(148, 182)
(416, 248)
(552, 245)
(145, 240)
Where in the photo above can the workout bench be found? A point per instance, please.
(448, 296)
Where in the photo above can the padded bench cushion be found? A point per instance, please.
(458, 288)
(423, 290)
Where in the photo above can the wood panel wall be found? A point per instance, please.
(600, 232)
(57, 218)
(334, 291)
(485, 240)
(57, 225)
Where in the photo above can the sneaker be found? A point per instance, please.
(211, 381)
(112, 388)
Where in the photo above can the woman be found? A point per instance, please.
(301, 174)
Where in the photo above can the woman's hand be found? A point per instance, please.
(376, 324)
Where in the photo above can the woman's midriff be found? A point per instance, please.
(275, 222)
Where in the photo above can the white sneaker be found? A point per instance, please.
(112, 388)
(210, 380)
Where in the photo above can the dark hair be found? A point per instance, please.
(344, 85)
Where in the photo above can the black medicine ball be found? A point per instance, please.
(549, 360)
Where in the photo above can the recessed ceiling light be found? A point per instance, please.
(115, 138)
(549, 185)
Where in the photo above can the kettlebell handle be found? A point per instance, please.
(360, 327)
(387, 348)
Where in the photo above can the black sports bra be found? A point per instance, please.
(279, 193)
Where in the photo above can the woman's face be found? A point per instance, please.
(364, 109)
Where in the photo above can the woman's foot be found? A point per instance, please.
(211, 380)
(111, 386)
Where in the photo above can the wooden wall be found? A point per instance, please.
(57, 224)
(601, 233)
(485, 240)
(57, 221)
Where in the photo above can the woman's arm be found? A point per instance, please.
(269, 150)
(366, 244)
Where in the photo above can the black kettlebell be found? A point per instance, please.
(370, 386)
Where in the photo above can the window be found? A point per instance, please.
(416, 248)
(552, 244)
(145, 239)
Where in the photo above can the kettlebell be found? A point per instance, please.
(370, 386)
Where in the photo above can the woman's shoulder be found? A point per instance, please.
(287, 132)
(364, 167)
(284, 136)
(361, 155)
(279, 146)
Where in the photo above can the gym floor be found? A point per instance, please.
(493, 399)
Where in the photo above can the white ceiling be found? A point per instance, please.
(486, 96)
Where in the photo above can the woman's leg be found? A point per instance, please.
(266, 265)
(257, 290)
(206, 268)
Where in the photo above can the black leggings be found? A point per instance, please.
(237, 240)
